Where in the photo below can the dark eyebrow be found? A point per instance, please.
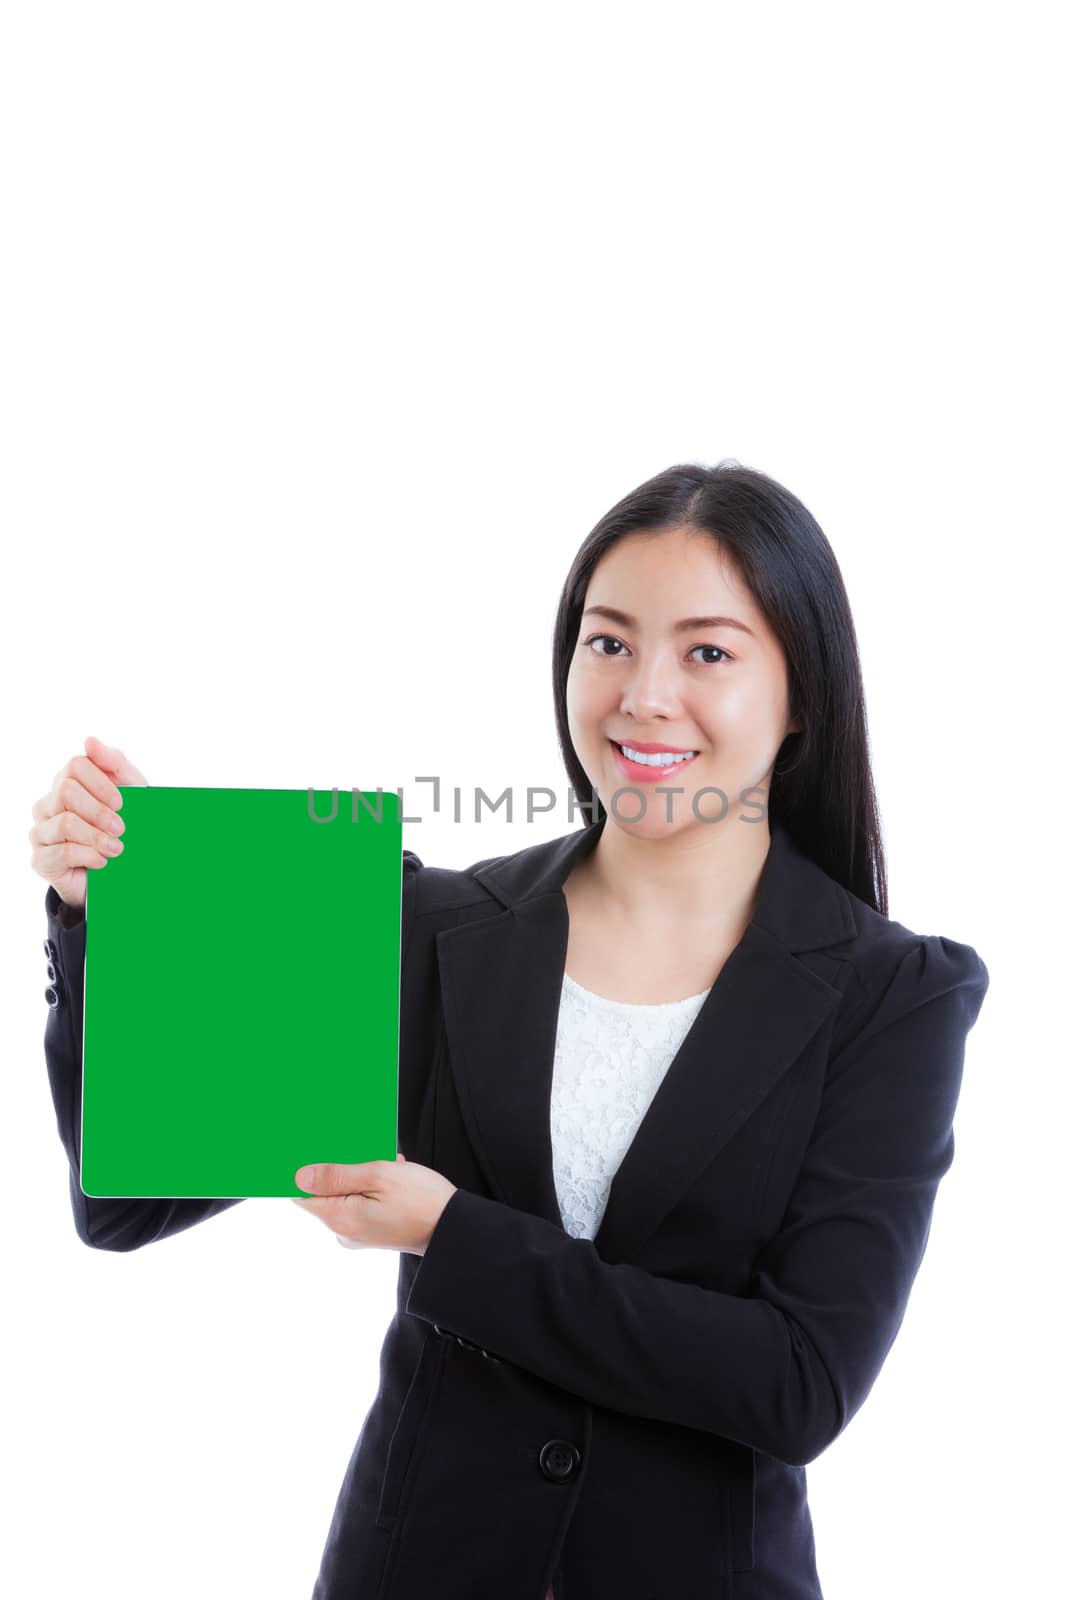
(686, 625)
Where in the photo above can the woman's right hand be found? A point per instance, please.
(76, 824)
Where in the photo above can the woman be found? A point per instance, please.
(677, 1095)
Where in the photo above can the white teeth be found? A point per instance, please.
(667, 758)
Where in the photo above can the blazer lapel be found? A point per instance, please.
(501, 980)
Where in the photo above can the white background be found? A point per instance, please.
(328, 333)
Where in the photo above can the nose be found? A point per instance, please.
(652, 689)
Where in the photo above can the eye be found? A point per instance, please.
(611, 655)
(596, 639)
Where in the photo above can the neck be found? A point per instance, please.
(705, 875)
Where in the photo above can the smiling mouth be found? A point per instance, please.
(677, 759)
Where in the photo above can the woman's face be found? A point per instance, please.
(717, 688)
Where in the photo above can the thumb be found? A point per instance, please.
(113, 762)
(400, 1157)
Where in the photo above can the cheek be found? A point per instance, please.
(733, 710)
(587, 700)
(744, 716)
(577, 687)
(582, 718)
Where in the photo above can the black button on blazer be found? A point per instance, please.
(628, 1417)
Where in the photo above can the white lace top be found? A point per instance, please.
(610, 1059)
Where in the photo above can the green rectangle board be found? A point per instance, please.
(242, 991)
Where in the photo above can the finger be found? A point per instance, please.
(52, 860)
(69, 826)
(322, 1209)
(330, 1212)
(83, 788)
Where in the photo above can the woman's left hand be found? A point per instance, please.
(384, 1205)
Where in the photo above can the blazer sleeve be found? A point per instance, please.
(101, 1223)
(784, 1368)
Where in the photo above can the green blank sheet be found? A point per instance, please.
(242, 991)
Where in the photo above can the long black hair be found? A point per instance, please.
(822, 785)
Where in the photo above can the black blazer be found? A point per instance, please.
(629, 1417)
